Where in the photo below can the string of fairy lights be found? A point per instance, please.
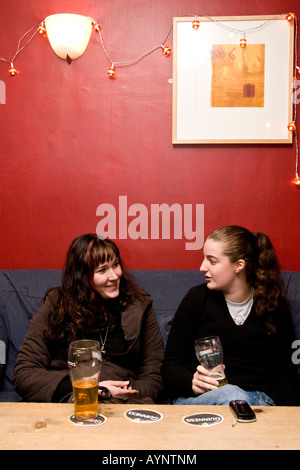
(40, 29)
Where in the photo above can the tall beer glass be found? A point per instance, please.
(84, 360)
(209, 352)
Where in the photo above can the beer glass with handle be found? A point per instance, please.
(209, 352)
(84, 360)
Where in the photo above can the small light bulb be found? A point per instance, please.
(42, 28)
(291, 126)
(97, 27)
(195, 24)
(12, 70)
(290, 16)
(166, 50)
(111, 72)
(243, 42)
(297, 181)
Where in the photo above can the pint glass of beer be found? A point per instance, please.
(84, 360)
(209, 352)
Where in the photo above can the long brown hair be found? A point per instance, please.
(79, 309)
(261, 266)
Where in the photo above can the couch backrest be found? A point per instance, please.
(167, 289)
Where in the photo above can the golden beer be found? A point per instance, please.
(220, 378)
(85, 399)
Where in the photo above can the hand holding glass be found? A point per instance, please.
(209, 353)
(84, 360)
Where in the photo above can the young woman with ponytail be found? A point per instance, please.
(241, 302)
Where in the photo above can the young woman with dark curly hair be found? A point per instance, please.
(97, 300)
(242, 303)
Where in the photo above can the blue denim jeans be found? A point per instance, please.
(223, 395)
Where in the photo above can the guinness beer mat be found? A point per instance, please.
(203, 420)
(93, 422)
(143, 416)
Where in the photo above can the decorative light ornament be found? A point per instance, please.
(166, 50)
(111, 72)
(68, 34)
(97, 26)
(291, 126)
(297, 180)
(243, 42)
(12, 70)
(291, 16)
(195, 25)
(42, 28)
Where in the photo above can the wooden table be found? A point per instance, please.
(47, 426)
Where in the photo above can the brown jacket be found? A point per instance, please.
(37, 374)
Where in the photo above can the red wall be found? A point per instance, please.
(71, 139)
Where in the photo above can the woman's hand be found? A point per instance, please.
(202, 381)
(118, 387)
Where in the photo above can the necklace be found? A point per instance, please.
(103, 342)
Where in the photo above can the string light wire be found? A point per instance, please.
(19, 48)
(131, 61)
(297, 181)
(235, 30)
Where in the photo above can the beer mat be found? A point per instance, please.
(93, 422)
(143, 416)
(203, 420)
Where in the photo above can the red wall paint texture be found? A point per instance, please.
(80, 151)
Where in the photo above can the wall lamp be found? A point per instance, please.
(68, 34)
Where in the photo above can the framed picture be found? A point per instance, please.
(232, 80)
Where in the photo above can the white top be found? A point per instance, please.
(240, 311)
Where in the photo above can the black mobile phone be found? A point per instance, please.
(242, 411)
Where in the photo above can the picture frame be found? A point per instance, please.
(228, 92)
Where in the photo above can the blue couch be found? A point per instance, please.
(22, 293)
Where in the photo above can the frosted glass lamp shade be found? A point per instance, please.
(68, 34)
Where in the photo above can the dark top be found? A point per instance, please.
(254, 359)
(41, 373)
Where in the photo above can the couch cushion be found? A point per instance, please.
(21, 294)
